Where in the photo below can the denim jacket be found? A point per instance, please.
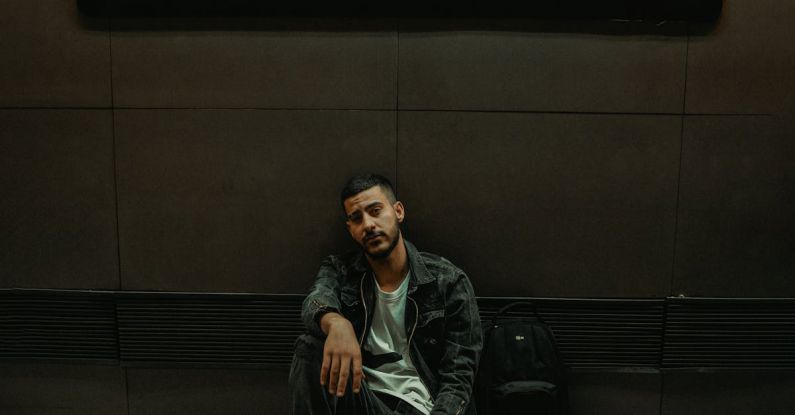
(442, 319)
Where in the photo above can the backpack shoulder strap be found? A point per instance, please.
(502, 311)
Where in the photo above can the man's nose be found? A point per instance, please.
(368, 222)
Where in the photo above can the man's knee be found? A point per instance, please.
(307, 359)
(309, 347)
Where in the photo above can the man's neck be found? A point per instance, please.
(389, 272)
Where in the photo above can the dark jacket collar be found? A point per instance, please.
(419, 272)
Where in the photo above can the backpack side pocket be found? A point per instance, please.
(525, 397)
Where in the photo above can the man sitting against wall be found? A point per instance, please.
(391, 330)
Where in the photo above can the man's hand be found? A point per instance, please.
(341, 353)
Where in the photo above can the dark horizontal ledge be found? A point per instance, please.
(657, 10)
(257, 330)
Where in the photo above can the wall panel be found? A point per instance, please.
(62, 389)
(538, 66)
(745, 66)
(541, 204)
(52, 57)
(618, 393)
(721, 393)
(239, 201)
(736, 229)
(207, 391)
(58, 210)
(268, 64)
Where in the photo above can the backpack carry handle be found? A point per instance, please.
(516, 304)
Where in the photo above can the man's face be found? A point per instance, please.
(373, 221)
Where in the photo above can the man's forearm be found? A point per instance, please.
(323, 297)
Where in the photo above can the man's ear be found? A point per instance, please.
(399, 211)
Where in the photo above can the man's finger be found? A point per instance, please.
(345, 368)
(334, 374)
(324, 369)
(357, 373)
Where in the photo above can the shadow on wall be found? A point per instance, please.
(570, 16)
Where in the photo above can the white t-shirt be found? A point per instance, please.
(396, 374)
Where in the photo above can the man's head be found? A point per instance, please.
(373, 214)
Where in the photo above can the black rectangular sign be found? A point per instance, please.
(657, 10)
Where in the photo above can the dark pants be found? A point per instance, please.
(309, 397)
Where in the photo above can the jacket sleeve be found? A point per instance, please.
(323, 297)
(463, 344)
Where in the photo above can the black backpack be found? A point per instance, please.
(520, 371)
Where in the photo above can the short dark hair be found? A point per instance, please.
(362, 182)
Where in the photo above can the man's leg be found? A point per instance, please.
(405, 408)
(308, 397)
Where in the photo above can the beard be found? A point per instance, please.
(385, 252)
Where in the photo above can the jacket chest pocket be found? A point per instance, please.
(430, 318)
(430, 335)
